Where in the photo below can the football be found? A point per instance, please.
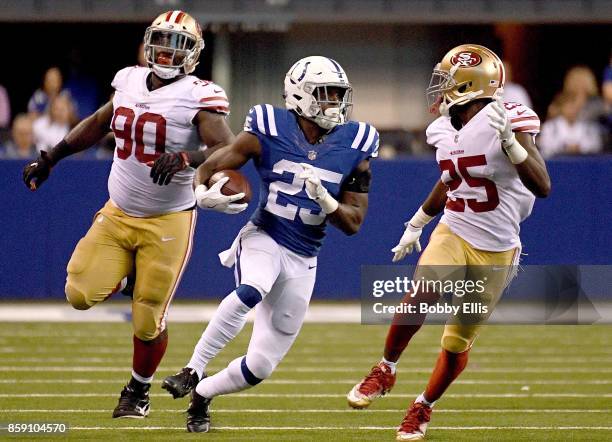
(237, 183)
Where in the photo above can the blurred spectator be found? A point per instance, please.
(53, 126)
(21, 144)
(514, 92)
(568, 133)
(387, 152)
(51, 88)
(580, 81)
(5, 108)
(607, 98)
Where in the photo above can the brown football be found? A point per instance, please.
(237, 183)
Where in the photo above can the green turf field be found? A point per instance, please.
(522, 383)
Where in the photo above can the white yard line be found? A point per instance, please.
(328, 395)
(340, 428)
(283, 369)
(347, 410)
(325, 381)
(304, 361)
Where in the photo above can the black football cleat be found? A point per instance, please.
(134, 402)
(181, 384)
(198, 415)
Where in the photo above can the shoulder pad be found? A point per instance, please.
(364, 137)
(522, 118)
(209, 96)
(261, 119)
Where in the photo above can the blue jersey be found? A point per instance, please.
(284, 211)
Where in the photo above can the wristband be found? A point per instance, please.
(420, 219)
(327, 203)
(515, 151)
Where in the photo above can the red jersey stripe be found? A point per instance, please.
(516, 120)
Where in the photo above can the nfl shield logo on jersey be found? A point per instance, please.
(312, 155)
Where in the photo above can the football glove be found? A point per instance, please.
(498, 120)
(36, 173)
(410, 238)
(166, 165)
(408, 242)
(213, 199)
(315, 190)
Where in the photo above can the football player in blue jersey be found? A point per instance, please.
(314, 166)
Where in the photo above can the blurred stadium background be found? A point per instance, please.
(560, 54)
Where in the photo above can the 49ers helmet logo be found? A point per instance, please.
(466, 59)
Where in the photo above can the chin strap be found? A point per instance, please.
(166, 73)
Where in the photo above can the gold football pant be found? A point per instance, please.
(496, 268)
(158, 248)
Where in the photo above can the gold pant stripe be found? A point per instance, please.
(162, 320)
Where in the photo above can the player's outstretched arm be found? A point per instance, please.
(84, 135)
(232, 156)
(433, 205)
(213, 131)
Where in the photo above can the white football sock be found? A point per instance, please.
(391, 365)
(228, 380)
(228, 320)
(141, 379)
(422, 400)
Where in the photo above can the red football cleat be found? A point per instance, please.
(415, 422)
(377, 383)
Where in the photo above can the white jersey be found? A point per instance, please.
(486, 199)
(149, 123)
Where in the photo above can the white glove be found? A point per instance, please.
(213, 199)
(409, 241)
(315, 190)
(410, 238)
(498, 120)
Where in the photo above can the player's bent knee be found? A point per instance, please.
(288, 320)
(258, 368)
(76, 297)
(249, 295)
(456, 344)
(147, 334)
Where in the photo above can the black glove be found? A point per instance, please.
(166, 165)
(36, 173)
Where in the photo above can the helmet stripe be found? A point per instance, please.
(168, 15)
(304, 72)
(179, 17)
(338, 68)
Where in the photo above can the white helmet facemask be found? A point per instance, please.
(318, 89)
